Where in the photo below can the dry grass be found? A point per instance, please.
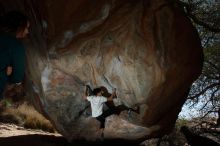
(25, 115)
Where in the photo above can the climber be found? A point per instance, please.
(14, 26)
(97, 101)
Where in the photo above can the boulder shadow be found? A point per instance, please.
(50, 140)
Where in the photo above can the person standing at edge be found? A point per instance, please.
(14, 26)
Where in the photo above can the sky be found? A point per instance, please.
(189, 113)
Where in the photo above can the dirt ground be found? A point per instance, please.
(13, 135)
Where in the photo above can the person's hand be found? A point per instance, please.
(8, 70)
(14, 90)
(114, 91)
(19, 88)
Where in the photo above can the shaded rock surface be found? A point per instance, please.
(147, 49)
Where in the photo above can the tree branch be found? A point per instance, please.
(209, 100)
(195, 19)
(203, 91)
(212, 64)
(208, 112)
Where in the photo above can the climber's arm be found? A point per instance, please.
(85, 94)
(112, 95)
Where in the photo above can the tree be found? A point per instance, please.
(205, 91)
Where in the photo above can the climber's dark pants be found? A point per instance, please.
(105, 114)
(113, 110)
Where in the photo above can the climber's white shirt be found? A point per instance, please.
(96, 104)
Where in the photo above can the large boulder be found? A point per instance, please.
(147, 49)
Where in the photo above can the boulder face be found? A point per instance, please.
(147, 49)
